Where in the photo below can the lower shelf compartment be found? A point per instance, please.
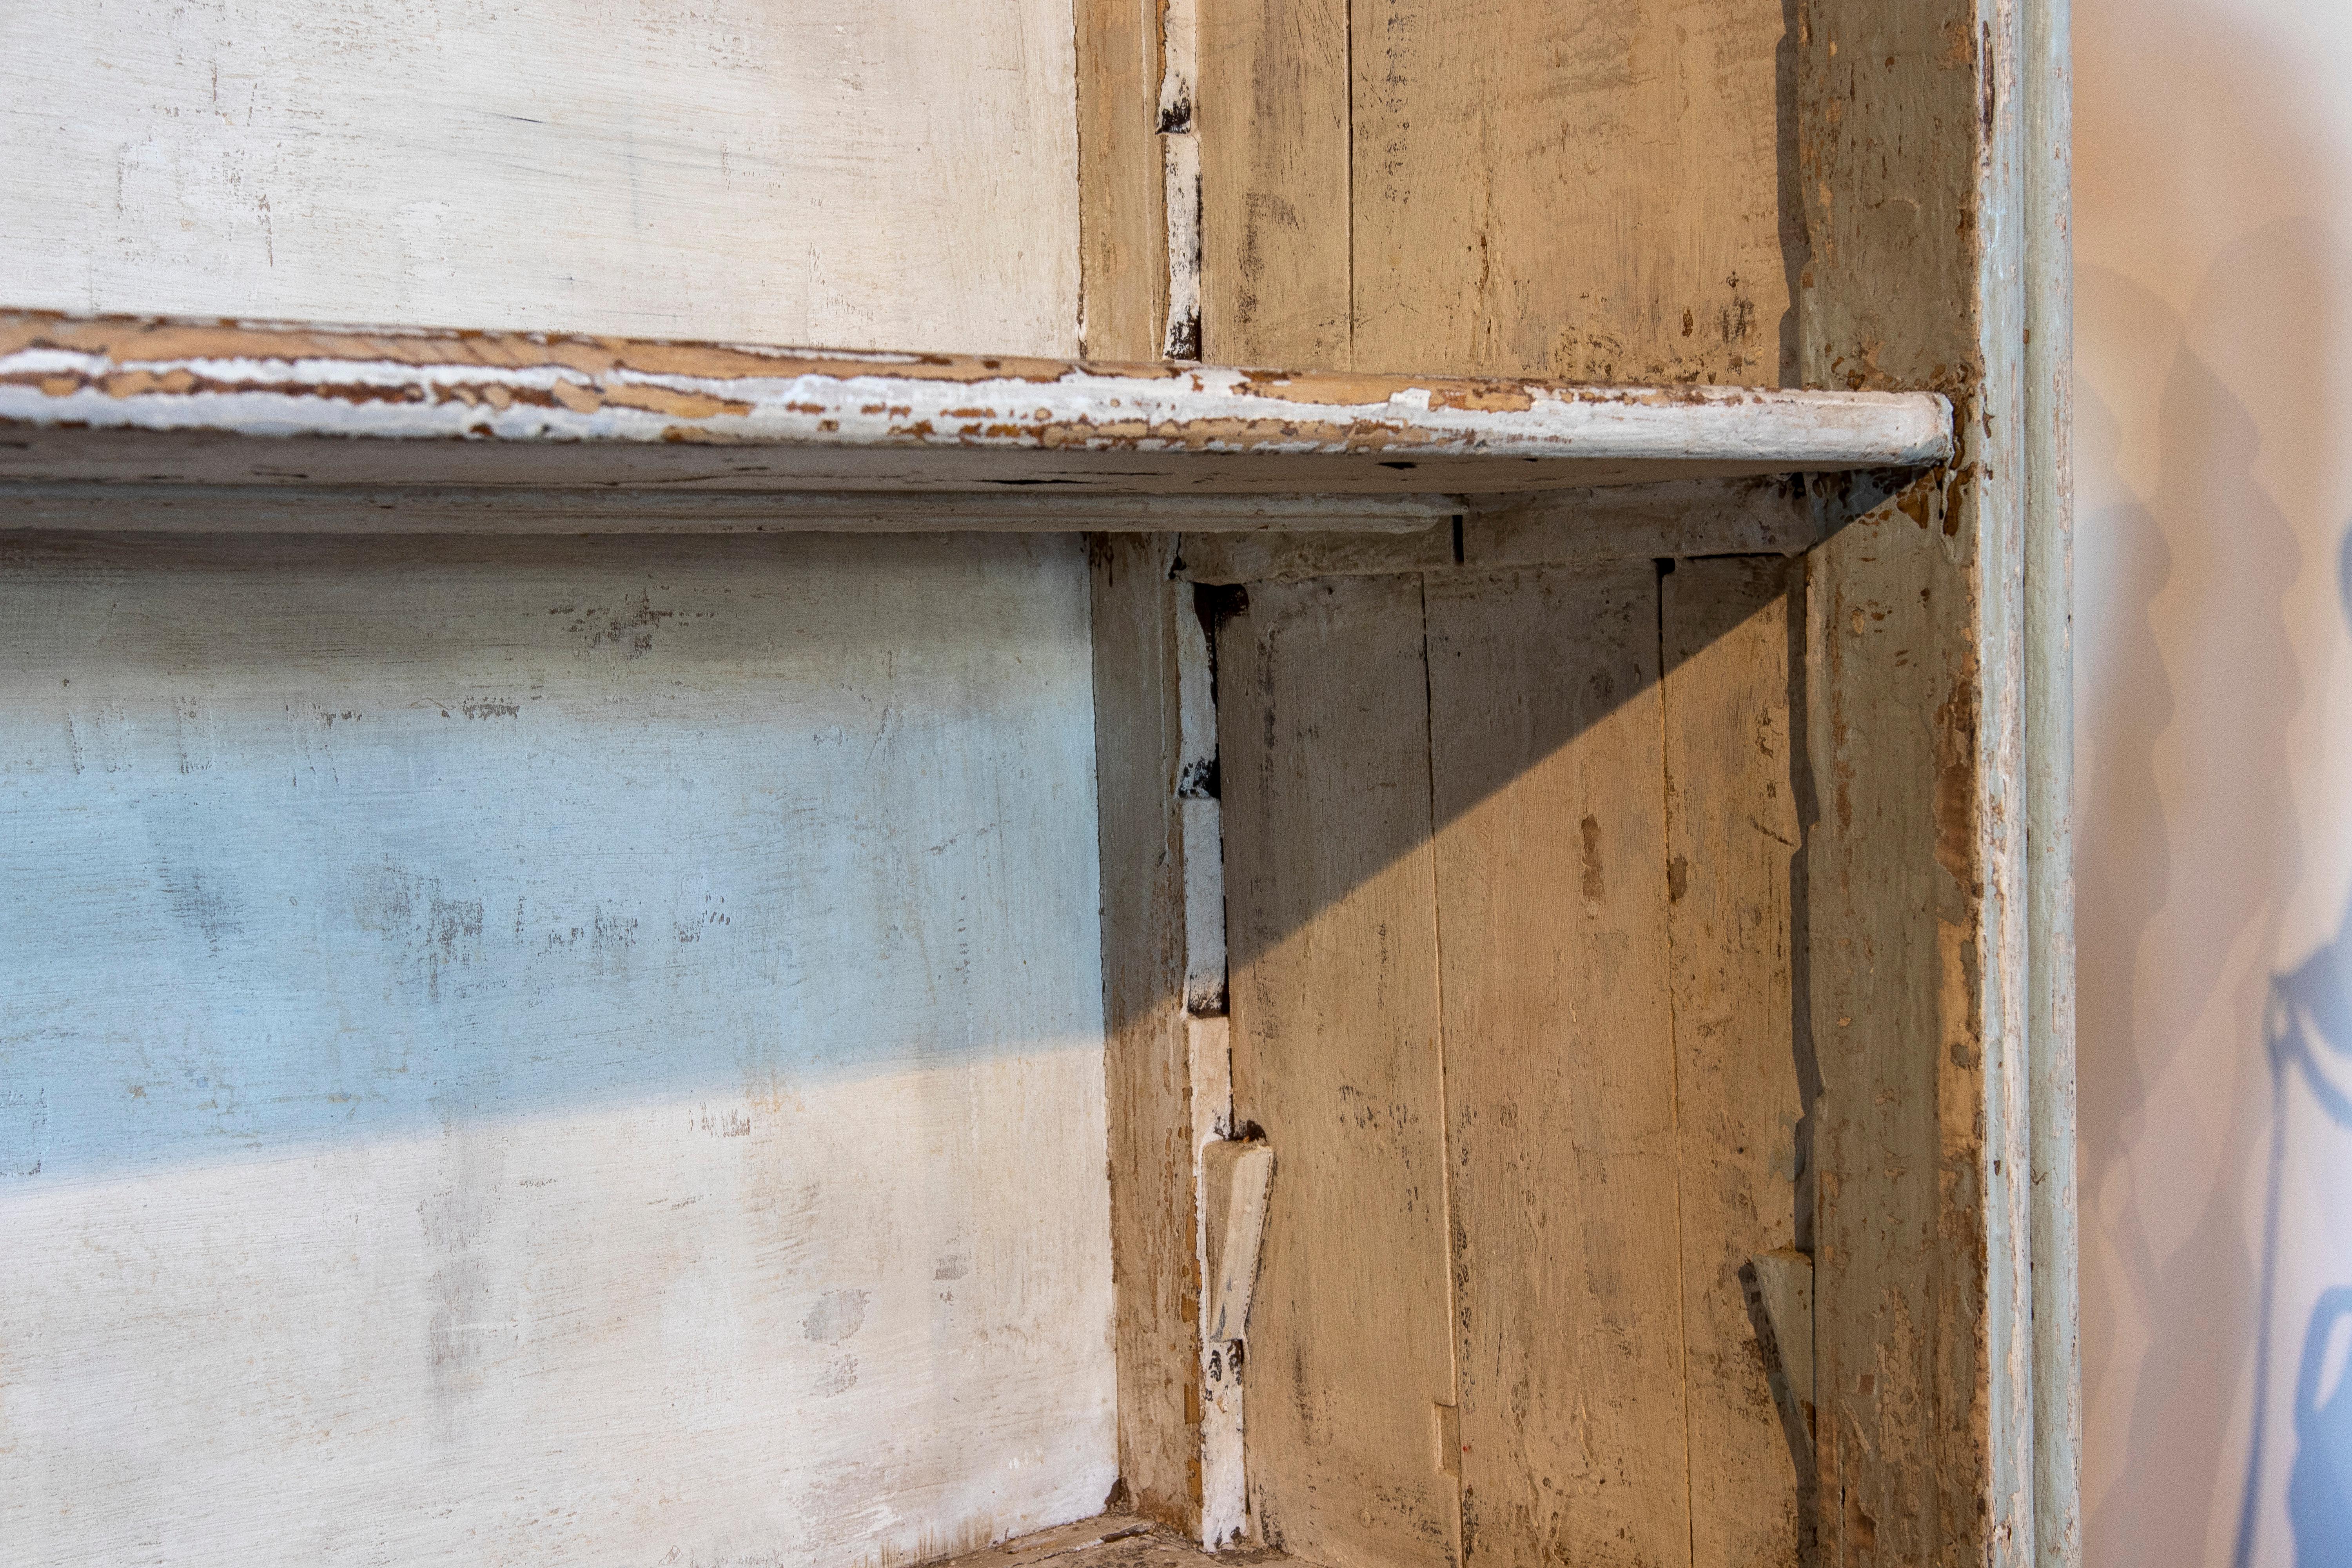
(1107, 1541)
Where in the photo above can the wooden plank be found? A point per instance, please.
(1546, 736)
(1155, 1267)
(1557, 528)
(1336, 1058)
(1732, 836)
(1122, 239)
(1275, 268)
(1909, 149)
(1590, 189)
(520, 509)
(868, 176)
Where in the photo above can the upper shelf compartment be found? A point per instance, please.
(116, 400)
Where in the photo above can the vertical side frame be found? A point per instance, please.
(2050, 777)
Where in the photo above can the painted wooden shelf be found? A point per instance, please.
(212, 417)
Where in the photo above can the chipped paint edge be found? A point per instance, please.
(119, 374)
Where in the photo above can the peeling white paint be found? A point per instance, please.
(78, 378)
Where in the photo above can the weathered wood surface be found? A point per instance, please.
(1154, 1141)
(1733, 833)
(1546, 752)
(519, 509)
(551, 1052)
(1108, 1541)
(1590, 191)
(1605, 193)
(1337, 1059)
(1909, 146)
(1275, 270)
(1122, 227)
(1553, 528)
(124, 400)
(874, 175)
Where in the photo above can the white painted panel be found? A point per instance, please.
(579, 1051)
(891, 175)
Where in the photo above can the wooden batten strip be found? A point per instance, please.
(524, 510)
(1676, 521)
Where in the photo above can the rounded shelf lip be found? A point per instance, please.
(147, 400)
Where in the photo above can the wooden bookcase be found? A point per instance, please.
(1579, 745)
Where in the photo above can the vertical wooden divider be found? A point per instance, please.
(1122, 204)
(1732, 830)
(1155, 1271)
(1325, 758)
(1546, 754)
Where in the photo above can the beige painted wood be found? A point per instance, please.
(1123, 249)
(123, 401)
(1156, 1269)
(1336, 1058)
(1274, 111)
(1733, 833)
(1546, 735)
(1782, 1285)
(1587, 190)
(1617, 523)
(872, 175)
(1910, 142)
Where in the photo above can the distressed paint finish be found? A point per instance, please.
(1589, 191)
(1547, 768)
(1111, 1540)
(1324, 737)
(1732, 831)
(875, 175)
(551, 1052)
(1122, 209)
(1909, 144)
(1154, 1139)
(519, 508)
(125, 400)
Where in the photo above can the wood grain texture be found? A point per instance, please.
(1732, 831)
(1546, 736)
(874, 176)
(1156, 1269)
(1590, 190)
(1336, 1023)
(1122, 238)
(1108, 1541)
(543, 1048)
(1273, 114)
(1909, 147)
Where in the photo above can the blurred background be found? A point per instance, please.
(2213, 253)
